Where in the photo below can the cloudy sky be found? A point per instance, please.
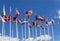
(45, 8)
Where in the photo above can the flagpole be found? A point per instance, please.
(2, 30)
(53, 31)
(10, 23)
(36, 33)
(16, 31)
(22, 33)
(48, 33)
(12, 31)
(33, 33)
(40, 34)
(25, 30)
(44, 34)
(29, 27)
(3, 22)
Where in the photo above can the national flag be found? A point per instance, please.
(41, 26)
(6, 18)
(22, 21)
(35, 24)
(49, 22)
(17, 13)
(28, 13)
(14, 19)
(40, 18)
(1, 19)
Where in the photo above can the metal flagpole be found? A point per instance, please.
(3, 23)
(29, 27)
(17, 30)
(12, 31)
(36, 33)
(33, 33)
(40, 34)
(44, 34)
(10, 23)
(2, 30)
(48, 33)
(25, 30)
(22, 33)
(53, 31)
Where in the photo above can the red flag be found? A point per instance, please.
(17, 13)
(6, 18)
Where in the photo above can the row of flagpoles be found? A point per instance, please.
(6, 18)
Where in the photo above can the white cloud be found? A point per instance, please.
(6, 38)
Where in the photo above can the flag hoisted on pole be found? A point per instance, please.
(52, 28)
(28, 14)
(4, 13)
(16, 24)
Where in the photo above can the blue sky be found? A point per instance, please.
(46, 8)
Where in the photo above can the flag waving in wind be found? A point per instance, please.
(28, 13)
(17, 13)
(14, 19)
(37, 25)
(49, 22)
(22, 21)
(40, 18)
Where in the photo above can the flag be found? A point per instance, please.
(48, 23)
(17, 13)
(40, 18)
(41, 26)
(22, 21)
(28, 13)
(1, 19)
(14, 19)
(35, 24)
(6, 18)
